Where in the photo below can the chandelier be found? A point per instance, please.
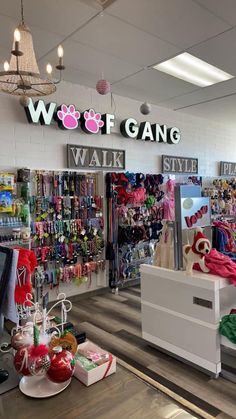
(21, 76)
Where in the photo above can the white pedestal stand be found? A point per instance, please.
(181, 314)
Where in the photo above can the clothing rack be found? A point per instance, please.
(134, 213)
(224, 236)
(173, 226)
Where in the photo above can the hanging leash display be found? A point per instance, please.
(66, 228)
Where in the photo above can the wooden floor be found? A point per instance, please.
(114, 322)
(122, 395)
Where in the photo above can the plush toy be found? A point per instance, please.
(25, 233)
(196, 252)
(228, 207)
(130, 216)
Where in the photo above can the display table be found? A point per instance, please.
(181, 313)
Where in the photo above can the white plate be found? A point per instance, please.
(41, 387)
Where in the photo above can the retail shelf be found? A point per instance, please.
(14, 226)
(15, 243)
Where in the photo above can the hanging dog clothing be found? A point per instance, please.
(220, 265)
(164, 252)
(25, 267)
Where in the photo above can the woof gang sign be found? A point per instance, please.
(68, 117)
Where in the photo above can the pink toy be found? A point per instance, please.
(170, 186)
(169, 209)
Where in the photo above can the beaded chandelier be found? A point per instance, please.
(21, 76)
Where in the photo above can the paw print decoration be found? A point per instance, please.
(68, 116)
(91, 122)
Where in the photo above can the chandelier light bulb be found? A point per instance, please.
(60, 51)
(49, 68)
(6, 66)
(17, 35)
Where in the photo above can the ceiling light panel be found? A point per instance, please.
(193, 70)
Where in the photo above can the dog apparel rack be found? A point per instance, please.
(136, 206)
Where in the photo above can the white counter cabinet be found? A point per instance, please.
(181, 313)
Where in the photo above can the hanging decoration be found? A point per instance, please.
(22, 337)
(103, 87)
(21, 363)
(39, 360)
(145, 108)
(62, 365)
(24, 101)
(34, 353)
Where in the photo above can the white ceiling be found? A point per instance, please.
(128, 39)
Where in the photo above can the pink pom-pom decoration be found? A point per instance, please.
(103, 87)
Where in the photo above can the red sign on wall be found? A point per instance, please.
(195, 212)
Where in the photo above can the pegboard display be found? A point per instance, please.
(67, 228)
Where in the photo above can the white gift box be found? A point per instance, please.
(98, 373)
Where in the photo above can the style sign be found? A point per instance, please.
(80, 157)
(68, 117)
(195, 212)
(227, 168)
(176, 164)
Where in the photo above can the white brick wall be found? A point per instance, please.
(35, 146)
(22, 144)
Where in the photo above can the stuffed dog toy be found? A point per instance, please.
(196, 253)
